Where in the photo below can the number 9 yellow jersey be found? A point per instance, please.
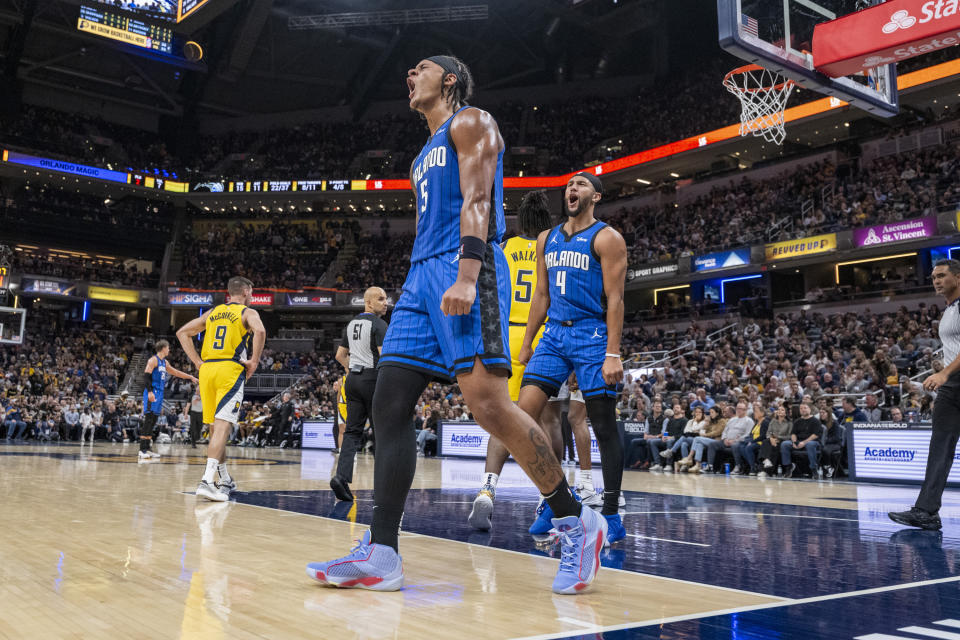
(225, 337)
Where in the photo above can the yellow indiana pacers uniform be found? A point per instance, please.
(342, 400)
(522, 257)
(225, 343)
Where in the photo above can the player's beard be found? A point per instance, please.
(582, 205)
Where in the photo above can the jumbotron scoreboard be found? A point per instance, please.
(124, 29)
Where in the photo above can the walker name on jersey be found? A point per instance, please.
(572, 259)
(436, 157)
(523, 256)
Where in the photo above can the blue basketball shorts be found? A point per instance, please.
(155, 406)
(422, 338)
(580, 348)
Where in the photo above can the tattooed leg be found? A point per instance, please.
(486, 394)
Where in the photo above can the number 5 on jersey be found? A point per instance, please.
(523, 288)
(423, 196)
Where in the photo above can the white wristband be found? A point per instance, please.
(613, 355)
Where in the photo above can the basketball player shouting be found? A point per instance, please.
(228, 330)
(533, 217)
(451, 321)
(578, 262)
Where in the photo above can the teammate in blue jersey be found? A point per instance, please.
(578, 263)
(154, 382)
(452, 322)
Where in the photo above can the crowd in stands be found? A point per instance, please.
(62, 372)
(278, 255)
(567, 134)
(890, 188)
(91, 268)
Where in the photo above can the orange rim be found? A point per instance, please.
(755, 67)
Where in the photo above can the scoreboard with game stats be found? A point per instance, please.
(125, 29)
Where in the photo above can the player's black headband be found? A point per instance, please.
(592, 179)
(448, 64)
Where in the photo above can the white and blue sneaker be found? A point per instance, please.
(615, 530)
(376, 567)
(581, 541)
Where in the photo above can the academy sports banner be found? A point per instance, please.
(887, 33)
(800, 247)
(915, 229)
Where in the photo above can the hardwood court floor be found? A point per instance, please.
(96, 545)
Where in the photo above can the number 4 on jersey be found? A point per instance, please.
(562, 282)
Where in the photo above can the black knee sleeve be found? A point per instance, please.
(394, 401)
(603, 417)
(149, 422)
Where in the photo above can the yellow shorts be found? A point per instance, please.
(221, 390)
(516, 341)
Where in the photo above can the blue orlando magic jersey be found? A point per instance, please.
(159, 380)
(436, 179)
(574, 274)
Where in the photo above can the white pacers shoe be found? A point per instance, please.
(211, 492)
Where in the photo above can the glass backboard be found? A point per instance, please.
(778, 35)
(13, 323)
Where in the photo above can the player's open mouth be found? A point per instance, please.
(411, 86)
(572, 201)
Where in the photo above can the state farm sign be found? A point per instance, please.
(891, 32)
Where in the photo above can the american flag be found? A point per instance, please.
(750, 26)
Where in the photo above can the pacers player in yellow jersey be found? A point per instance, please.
(533, 216)
(340, 414)
(233, 338)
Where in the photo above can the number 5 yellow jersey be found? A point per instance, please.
(225, 337)
(522, 257)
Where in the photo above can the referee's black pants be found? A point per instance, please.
(943, 445)
(359, 394)
(196, 426)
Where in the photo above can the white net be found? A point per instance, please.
(763, 94)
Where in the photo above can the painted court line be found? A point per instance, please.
(932, 633)
(779, 600)
(735, 513)
(757, 607)
(695, 544)
(588, 626)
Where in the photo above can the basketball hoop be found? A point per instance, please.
(763, 94)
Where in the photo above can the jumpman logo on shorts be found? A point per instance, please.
(596, 333)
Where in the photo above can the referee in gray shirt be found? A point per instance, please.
(359, 353)
(946, 410)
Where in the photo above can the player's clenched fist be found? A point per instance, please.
(612, 370)
(458, 299)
